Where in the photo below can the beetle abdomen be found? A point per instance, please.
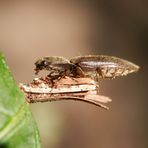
(104, 66)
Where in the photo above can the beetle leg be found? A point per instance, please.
(100, 72)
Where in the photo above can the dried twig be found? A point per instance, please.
(81, 89)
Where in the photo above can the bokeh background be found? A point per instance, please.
(30, 29)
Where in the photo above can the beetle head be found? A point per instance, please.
(40, 65)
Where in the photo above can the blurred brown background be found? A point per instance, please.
(30, 29)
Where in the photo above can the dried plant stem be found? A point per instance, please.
(81, 89)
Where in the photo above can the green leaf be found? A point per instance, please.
(17, 126)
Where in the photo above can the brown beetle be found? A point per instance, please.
(94, 66)
(102, 66)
